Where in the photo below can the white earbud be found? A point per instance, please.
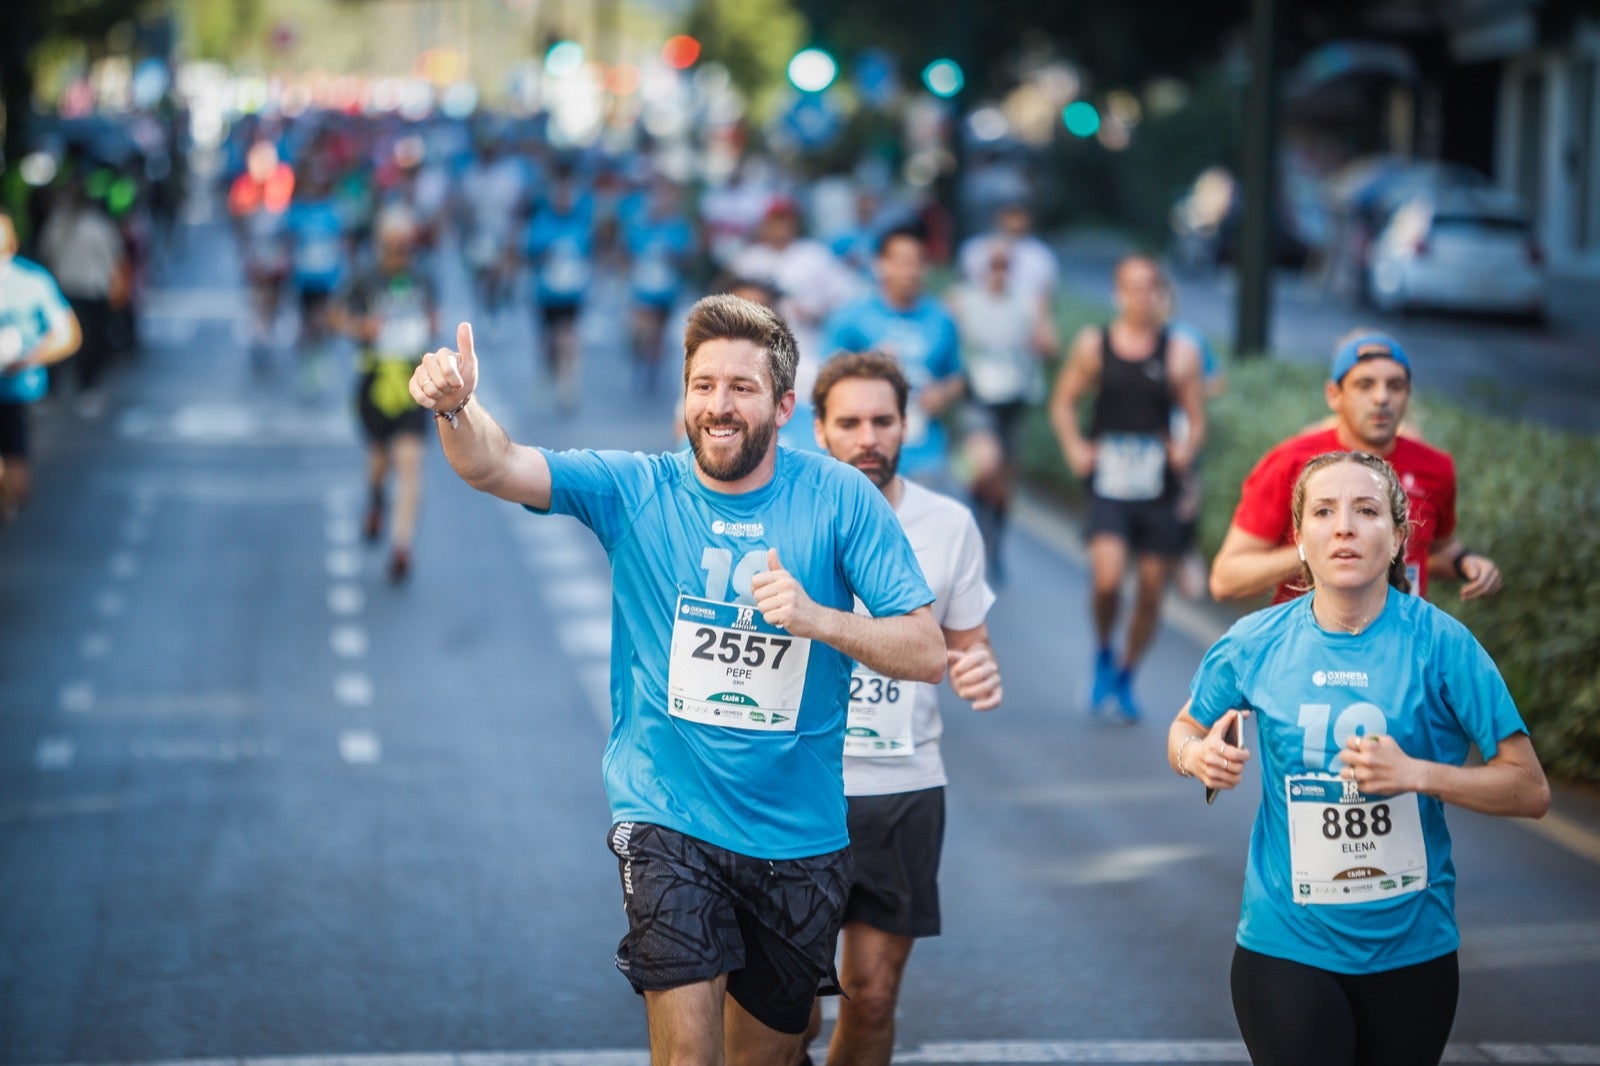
(1302, 548)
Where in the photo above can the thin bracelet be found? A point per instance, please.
(1460, 573)
(1183, 746)
(450, 416)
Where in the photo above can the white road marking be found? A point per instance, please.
(77, 697)
(343, 562)
(346, 599)
(110, 604)
(124, 565)
(579, 592)
(223, 302)
(1123, 864)
(339, 501)
(348, 641)
(359, 747)
(556, 557)
(54, 753)
(353, 690)
(945, 1053)
(94, 646)
(341, 530)
(587, 638)
(168, 705)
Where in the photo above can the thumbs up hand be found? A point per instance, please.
(781, 599)
(444, 379)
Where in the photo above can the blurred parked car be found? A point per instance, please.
(1459, 249)
(1362, 196)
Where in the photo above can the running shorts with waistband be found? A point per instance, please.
(1148, 527)
(696, 911)
(896, 840)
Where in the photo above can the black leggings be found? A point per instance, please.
(1291, 1014)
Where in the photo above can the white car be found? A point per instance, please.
(1459, 249)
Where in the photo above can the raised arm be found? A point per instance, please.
(905, 646)
(477, 447)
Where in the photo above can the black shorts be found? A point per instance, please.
(556, 316)
(381, 427)
(14, 429)
(896, 841)
(1148, 527)
(696, 911)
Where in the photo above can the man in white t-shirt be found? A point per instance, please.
(893, 775)
(1034, 271)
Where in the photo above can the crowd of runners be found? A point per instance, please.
(820, 539)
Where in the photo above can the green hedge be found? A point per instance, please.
(1527, 498)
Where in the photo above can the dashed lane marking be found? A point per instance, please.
(346, 599)
(348, 641)
(353, 689)
(54, 753)
(359, 747)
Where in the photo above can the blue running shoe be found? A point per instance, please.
(1105, 680)
(1127, 708)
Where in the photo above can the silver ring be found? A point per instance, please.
(1227, 765)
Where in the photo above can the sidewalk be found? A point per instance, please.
(1573, 821)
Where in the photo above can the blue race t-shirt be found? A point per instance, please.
(679, 552)
(1415, 674)
(659, 248)
(318, 233)
(924, 341)
(559, 246)
(31, 306)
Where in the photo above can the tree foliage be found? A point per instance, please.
(754, 39)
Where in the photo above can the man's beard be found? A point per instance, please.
(884, 472)
(754, 443)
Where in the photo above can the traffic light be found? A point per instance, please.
(812, 70)
(680, 52)
(943, 78)
(1081, 118)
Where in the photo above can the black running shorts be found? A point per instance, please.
(14, 429)
(1148, 527)
(895, 841)
(696, 911)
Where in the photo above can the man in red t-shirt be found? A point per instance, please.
(1368, 390)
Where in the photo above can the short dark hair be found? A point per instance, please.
(914, 231)
(870, 365)
(726, 317)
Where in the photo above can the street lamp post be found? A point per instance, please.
(1258, 184)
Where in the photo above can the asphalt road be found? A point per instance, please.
(258, 805)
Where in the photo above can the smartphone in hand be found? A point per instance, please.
(1232, 737)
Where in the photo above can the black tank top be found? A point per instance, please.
(1133, 397)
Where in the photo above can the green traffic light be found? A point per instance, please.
(1081, 118)
(943, 77)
